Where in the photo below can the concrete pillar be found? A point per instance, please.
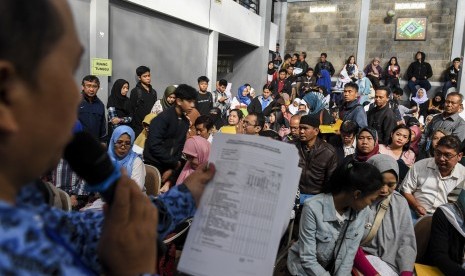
(461, 83)
(99, 39)
(362, 33)
(457, 39)
(282, 28)
(212, 59)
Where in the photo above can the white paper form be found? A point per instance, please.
(238, 226)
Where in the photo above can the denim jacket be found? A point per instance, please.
(319, 231)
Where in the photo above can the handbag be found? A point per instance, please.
(331, 266)
(378, 219)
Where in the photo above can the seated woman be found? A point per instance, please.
(139, 144)
(349, 73)
(417, 102)
(234, 122)
(398, 147)
(332, 223)
(316, 107)
(391, 248)
(120, 151)
(294, 107)
(364, 85)
(374, 72)
(392, 73)
(167, 101)
(447, 240)
(196, 151)
(366, 145)
(243, 96)
(279, 124)
(433, 106)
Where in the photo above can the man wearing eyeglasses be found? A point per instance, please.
(91, 110)
(253, 123)
(430, 181)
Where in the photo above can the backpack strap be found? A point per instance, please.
(378, 219)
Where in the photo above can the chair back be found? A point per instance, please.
(152, 180)
(422, 234)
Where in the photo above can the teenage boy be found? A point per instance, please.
(204, 102)
(221, 99)
(167, 135)
(142, 98)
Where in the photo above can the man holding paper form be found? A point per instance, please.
(238, 225)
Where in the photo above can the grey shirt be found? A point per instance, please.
(453, 124)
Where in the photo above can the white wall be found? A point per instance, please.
(273, 36)
(227, 17)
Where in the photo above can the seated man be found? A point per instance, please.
(418, 73)
(345, 142)
(318, 159)
(452, 75)
(253, 123)
(429, 182)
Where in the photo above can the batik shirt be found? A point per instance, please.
(36, 239)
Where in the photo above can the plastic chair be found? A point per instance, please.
(152, 180)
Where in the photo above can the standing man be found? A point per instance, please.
(324, 64)
(167, 135)
(204, 102)
(351, 109)
(418, 73)
(281, 84)
(220, 99)
(276, 57)
(142, 98)
(302, 64)
(317, 158)
(381, 117)
(91, 111)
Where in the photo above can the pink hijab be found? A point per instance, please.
(414, 143)
(196, 146)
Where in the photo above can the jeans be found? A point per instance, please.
(448, 85)
(422, 83)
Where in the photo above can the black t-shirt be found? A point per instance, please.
(204, 103)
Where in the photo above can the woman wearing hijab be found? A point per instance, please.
(315, 104)
(418, 100)
(120, 151)
(271, 72)
(366, 145)
(243, 95)
(415, 138)
(167, 101)
(374, 72)
(294, 107)
(364, 85)
(433, 106)
(118, 106)
(447, 240)
(391, 249)
(332, 223)
(139, 144)
(325, 80)
(196, 151)
(192, 116)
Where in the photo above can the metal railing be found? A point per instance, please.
(253, 5)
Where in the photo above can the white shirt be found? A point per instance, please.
(430, 189)
(138, 173)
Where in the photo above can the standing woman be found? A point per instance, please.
(167, 101)
(118, 106)
(332, 223)
(271, 73)
(392, 73)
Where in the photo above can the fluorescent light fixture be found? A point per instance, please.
(320, 9)
(410, 6)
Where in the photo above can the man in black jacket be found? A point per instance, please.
(142, 98)
(418, 73)
(262, 104)
(324, 64)
(381, 117)
(167, 135)
(280, 85)
(318, 159)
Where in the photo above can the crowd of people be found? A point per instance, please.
(372, 165)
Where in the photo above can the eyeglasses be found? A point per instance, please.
(447, 156)
(95, 86)
(247, 123)
(120, 143)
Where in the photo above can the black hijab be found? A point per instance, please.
(118, 101)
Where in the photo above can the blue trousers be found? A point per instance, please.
(422, 83)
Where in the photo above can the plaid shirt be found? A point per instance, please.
(67, 180)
